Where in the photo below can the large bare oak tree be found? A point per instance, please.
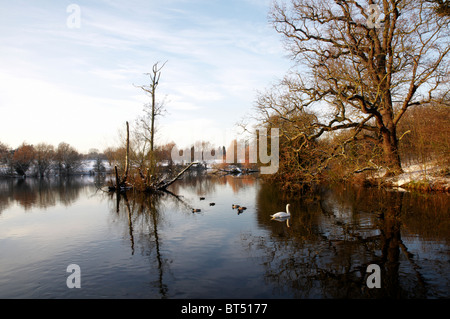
(364, 62)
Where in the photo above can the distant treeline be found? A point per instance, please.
(44, 159)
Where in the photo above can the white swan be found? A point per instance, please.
(282, 215)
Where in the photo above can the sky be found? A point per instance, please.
(69, 69)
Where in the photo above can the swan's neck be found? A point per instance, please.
(287, 209)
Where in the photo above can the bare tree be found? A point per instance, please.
(152, 109)
(362, 65)
(163, 153)
(44, 154)
(23, 158)
(68, 160)
(4, 153)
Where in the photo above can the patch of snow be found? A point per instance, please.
(419, 172)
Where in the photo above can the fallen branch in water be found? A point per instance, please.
(167, 184)
(145, 184)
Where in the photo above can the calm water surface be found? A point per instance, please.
(155, 247)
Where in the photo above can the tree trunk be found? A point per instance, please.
(390, 144)
(117, 179)
(127, 157)
(152, 127)
(390, 153)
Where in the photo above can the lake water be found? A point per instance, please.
(155, 247)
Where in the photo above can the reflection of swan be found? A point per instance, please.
(282, 215)
(282, 220)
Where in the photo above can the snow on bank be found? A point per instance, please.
(429, 176)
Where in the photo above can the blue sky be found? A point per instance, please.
(77, 84)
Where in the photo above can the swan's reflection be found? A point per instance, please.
(282, 219)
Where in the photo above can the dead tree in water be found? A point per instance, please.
(153, 109)
(147, 182)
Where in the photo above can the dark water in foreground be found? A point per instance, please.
(155, 247)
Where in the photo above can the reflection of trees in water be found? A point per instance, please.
(144, 216)
(42, 192)
(195, 185)
(304, 259)
(331, 241)
(5, 194)
(333, 236)
(207, 184)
